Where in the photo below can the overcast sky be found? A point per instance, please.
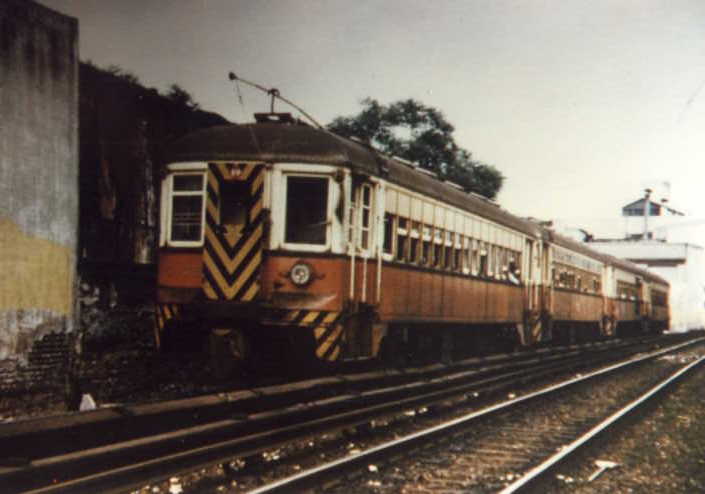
(580, 104)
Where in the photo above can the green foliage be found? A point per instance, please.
(420, 134)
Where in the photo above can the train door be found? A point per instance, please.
(360, 223)
(530, 296)
(365, 244)
(609, 310)
(232, 252)
(536, 267)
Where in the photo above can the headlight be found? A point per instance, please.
(301, 274)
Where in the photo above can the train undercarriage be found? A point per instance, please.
(247, 346)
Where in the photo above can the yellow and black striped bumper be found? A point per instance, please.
(327, 326)
(163, 313)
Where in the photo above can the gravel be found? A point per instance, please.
(662, 451)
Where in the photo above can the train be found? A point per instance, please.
(281, 240)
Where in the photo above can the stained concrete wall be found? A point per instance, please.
(38, 177)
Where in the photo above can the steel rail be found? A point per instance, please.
(207, 408)
(566, 451)
(312, 477)
(115, 466)
(213, 451)
(61, 434)
(144, 459)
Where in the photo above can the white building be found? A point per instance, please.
(653, 227)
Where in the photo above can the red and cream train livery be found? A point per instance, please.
(281, 238)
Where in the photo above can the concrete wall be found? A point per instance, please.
(38, 177)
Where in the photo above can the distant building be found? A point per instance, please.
(660, 216)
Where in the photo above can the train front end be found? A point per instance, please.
(252, 251)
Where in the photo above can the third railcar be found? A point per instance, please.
(281, 240)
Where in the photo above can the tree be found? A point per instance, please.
(179, 95)
(120, 73)
(420, 134)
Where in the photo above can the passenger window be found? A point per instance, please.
(490, 261)
(483, 268)
(475, 267)
(415, 234)
(426, 246)
(513, 271)
(306, 210)
(388, 233)
(402, 239)
(466, 256)
(499, 263)
(438, 248)
(187, 201)
(505, 263)
(448, 254)
(234, 198)
(457, 253)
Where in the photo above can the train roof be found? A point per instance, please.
(272, 142)
(300, 143)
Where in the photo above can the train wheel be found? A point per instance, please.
(180, 337)
(300, 352)
(393, 352)
(229, 349)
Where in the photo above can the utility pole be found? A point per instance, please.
(647, 211)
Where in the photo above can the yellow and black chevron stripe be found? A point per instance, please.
(329, 341)
(162, 314)
(327, 326)
(232, 263)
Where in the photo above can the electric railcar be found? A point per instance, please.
(284, 240)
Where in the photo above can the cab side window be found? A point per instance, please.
(187, 203)
(306, 210)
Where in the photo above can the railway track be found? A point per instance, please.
(508, 447)
(539, 472)
(124, 447)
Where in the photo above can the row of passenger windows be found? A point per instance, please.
(572, 278)
(416, 243)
